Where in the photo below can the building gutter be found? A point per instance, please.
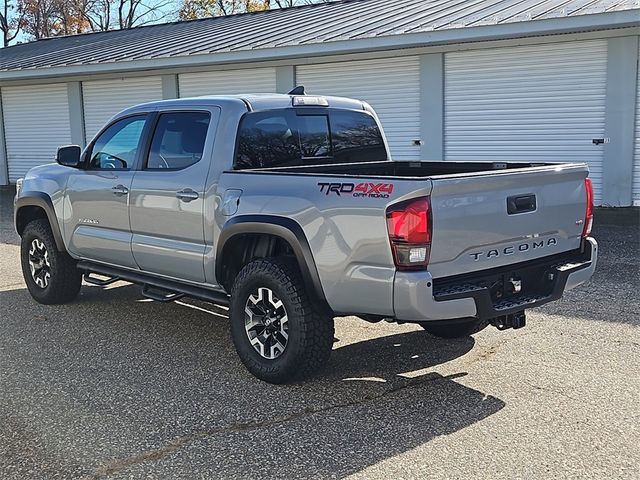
(552, 26)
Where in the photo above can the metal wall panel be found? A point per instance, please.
(36, 122)
(532, 103)
(390, 85)
(636, 150)
(227, 82)
(102, 99)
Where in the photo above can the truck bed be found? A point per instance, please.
(474, 228)
(401, 169)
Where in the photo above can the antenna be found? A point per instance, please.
(299, 90)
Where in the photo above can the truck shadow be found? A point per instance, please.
(392, 358)
(139, 375)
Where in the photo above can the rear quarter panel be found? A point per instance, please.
(347, 234)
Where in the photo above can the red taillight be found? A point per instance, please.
(409, 227)
(588, 218)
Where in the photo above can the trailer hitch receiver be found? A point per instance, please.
(513, 320)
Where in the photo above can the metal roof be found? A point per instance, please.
(324, 28)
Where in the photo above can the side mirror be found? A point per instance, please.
(69, 155)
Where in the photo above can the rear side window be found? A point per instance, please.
(356, 138)
(266, 139)
(178, 140)
(283, 138)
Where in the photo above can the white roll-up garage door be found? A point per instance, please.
(227, 82)
(636, 150)
(36, 123)
(104, 98)
(390, 85)
(531, 103)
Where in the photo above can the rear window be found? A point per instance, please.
(178, 141)
(282, 138)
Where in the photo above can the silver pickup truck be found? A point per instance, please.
(290, 210)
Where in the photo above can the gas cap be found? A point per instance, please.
(231, 201)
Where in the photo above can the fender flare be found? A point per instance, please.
(43, 201)
(285, 228)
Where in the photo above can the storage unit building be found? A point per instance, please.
(390, 85)
(227, 82)
(102, 99)
(37, 121)
(528, 103)
(490, 80)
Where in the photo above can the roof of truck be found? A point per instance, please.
(256, 101)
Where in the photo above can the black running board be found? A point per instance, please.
(149, 282)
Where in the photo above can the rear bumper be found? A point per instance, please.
(418, 297)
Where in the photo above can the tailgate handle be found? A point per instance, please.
(521, 204)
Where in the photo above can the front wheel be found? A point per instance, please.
(51, 275)
(278, 333)
(455, 329)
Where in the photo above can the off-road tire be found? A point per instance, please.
(65, 279)
(455, 329)
(310, 334)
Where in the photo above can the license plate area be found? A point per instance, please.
(504, 290)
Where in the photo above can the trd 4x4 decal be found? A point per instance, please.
(364, 189)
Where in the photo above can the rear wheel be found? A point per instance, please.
(455, 329)
(277, 331)
(51, 275)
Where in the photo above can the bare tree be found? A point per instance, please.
(133, 13)
(69, 17)
(10, 22)
(47, 18)
(39, 17)
(193, 9)
(97, 13)
(103, 15)
(294, 3)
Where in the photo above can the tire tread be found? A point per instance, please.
(316, 327)
(66, 279)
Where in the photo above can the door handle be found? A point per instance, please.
(120, 190)
(187, 195)
(521, 204)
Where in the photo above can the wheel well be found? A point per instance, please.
(27, 214)
(243, 248)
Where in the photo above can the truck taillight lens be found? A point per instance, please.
(409, 226)
(588, 218)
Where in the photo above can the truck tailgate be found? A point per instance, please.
(490, 219)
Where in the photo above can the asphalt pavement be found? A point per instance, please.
(115, 386)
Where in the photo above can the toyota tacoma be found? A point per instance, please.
(289, 210)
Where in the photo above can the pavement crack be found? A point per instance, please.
(172, 446)
(627, 342)
(555, 391)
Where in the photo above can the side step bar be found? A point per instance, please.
(170, 290)
(98, 281)
(160, 294)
